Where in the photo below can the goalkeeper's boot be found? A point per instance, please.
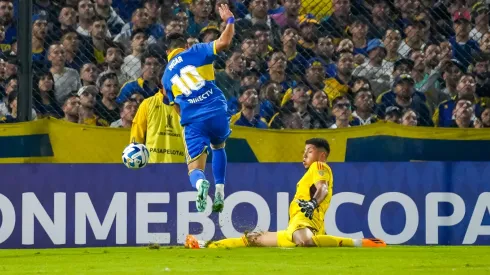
(373, 242)
(193, 243)
(202, 196)
(218, 203)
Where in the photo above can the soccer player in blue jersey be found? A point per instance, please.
(188, 81)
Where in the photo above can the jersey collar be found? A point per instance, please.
(175, 52)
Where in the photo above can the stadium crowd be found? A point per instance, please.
(295, 64)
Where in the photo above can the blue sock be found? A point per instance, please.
(195, 175)
(219, 165)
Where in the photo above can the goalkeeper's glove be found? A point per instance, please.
(308, 207)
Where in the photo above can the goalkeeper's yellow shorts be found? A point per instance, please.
(299, 221)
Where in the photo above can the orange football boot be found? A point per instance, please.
(373, 242)
(191, 242)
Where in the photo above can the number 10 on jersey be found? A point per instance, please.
(189, 80)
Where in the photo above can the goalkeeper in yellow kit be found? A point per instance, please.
(306, 211)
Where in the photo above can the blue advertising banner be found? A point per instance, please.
(66, 205)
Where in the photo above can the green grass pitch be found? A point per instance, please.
(176, 260)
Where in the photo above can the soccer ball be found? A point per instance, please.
(135, 156)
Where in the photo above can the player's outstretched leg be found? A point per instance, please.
(219, 172)
(333, 241)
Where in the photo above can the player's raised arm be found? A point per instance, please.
(226, 37)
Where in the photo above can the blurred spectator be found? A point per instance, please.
(249, 47)
(391, 41)
(287, 14)
(298, 104)
(372, 70)
(8, 23)
(132, 62)
(127, 113)
(320, 115)
(71, 108)
(342, 111)
(404, 98)
(67, 20)
(358, 31)
(393, 114)
(229, 80)
(86, 16)
(269, 95)
(107, 108)
(339, 85)
(139, 21)
(11, 117)
(324, 52)
(11, 85)
(452, 74)
(258, 16)
(481, 63)
(44, 101)
(199, 12)
(137, 97)
(146, 85)
(381, 21)
(483, 118)
(364, 107)
(409, 118)
(414, 40)
(485, 43)
(296, 61)
(114, 61)
(463, 114)
(249, 115)
(76, 51)
(335, 24)
(39, 44)
(480, 14)
(103, 9)
(277, 65)
(262, 33)
(308, 29)
(466, 89)
(88, 74)
(462, 45)
(66, 80)
(86, 111)
(97, 40)
(315, 75)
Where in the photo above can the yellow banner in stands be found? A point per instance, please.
(55, 141)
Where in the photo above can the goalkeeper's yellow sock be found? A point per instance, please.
(332, 241)
(229, 243)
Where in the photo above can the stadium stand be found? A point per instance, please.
(294, 64)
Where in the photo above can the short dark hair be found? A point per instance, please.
(339, 98)
(319, 143)
(149, 54)
(12, 96)
(104, 77)
(171, 18)
(138, 31)
(261, 27)
(176, 40)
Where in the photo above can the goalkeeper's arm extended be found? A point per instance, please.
(307, 207)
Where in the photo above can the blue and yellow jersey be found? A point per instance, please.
(443, 115)
(241, 120)
(10, 38)
(139, 86)
(189, 81)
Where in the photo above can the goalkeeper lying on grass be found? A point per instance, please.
(306, 211)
